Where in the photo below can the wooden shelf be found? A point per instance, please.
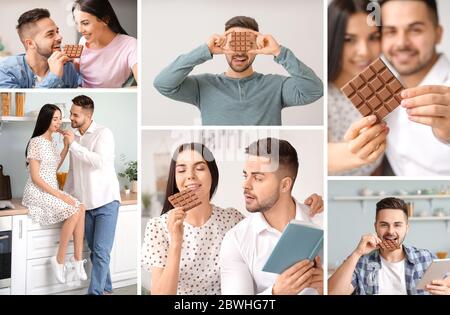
(363, 200)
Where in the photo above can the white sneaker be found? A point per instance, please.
(58, 269)
(71, 277)
(79, 268)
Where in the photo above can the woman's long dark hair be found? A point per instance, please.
(43, 122)
(210, 162)
(103, 10)
(339, 12)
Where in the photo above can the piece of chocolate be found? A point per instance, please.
(390, 245)
(73, 51)
(186, 199)
(375, 91)
(241, 42)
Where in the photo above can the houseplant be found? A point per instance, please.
(130, 172)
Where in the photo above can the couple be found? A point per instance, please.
(108, 60)
(416, 136)
(371, 269)
(90, 203)
(240, 96)
(210, 250)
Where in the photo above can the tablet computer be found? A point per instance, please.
(438, 269)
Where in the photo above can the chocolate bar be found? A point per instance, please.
(73, 51)
(241, 42)
(186, 199)
(375, 91)
(390, 245)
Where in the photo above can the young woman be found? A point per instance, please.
(109, 57)
(181, 249)
(356, 145)
(46, 203)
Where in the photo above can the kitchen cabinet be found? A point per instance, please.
(124, 253)
(33, 245)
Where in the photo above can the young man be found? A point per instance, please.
(43, 65)
(269, 176)
(92, 178)
(374, 269)
(240, 96)
(418, 143)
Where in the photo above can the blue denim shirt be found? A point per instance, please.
(15, 73)
(365, 276)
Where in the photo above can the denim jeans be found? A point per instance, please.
(100, 227)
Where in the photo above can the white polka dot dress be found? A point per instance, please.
(199, 264)
(44, 208)
(341, 114)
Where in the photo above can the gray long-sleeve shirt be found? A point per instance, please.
(254, 100)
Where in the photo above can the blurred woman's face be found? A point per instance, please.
(90, 27)
(55, 125)
(192, 172)
(362, 44)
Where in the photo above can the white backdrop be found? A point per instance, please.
(174, 27)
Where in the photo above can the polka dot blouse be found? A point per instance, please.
(199, 265)
(43, 207)
(341, 114)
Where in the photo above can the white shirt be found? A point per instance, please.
(246, 248)
(92, 177)
(391, 278)
(412, 148)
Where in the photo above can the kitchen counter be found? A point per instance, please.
(130, 199)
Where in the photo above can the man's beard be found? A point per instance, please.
(240, 70)
(44, 52)
(266, 205)
(415, 68)
(76, 125)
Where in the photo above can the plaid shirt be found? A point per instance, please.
(365, 276)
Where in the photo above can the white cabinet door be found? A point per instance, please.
(124, 253)
(19, 255)
(41, 280)
(44, 243)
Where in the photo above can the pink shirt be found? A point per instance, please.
(111, 66)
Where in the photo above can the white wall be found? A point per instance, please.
(444, 19)
(10, 12)
(230, 160)
(61, 13)
(117, 111)
(172, 28)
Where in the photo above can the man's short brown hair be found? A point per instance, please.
(392, 203)
(242, 21)
(432, 9)
(85, 102)
(27, 19)
(280, 151)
